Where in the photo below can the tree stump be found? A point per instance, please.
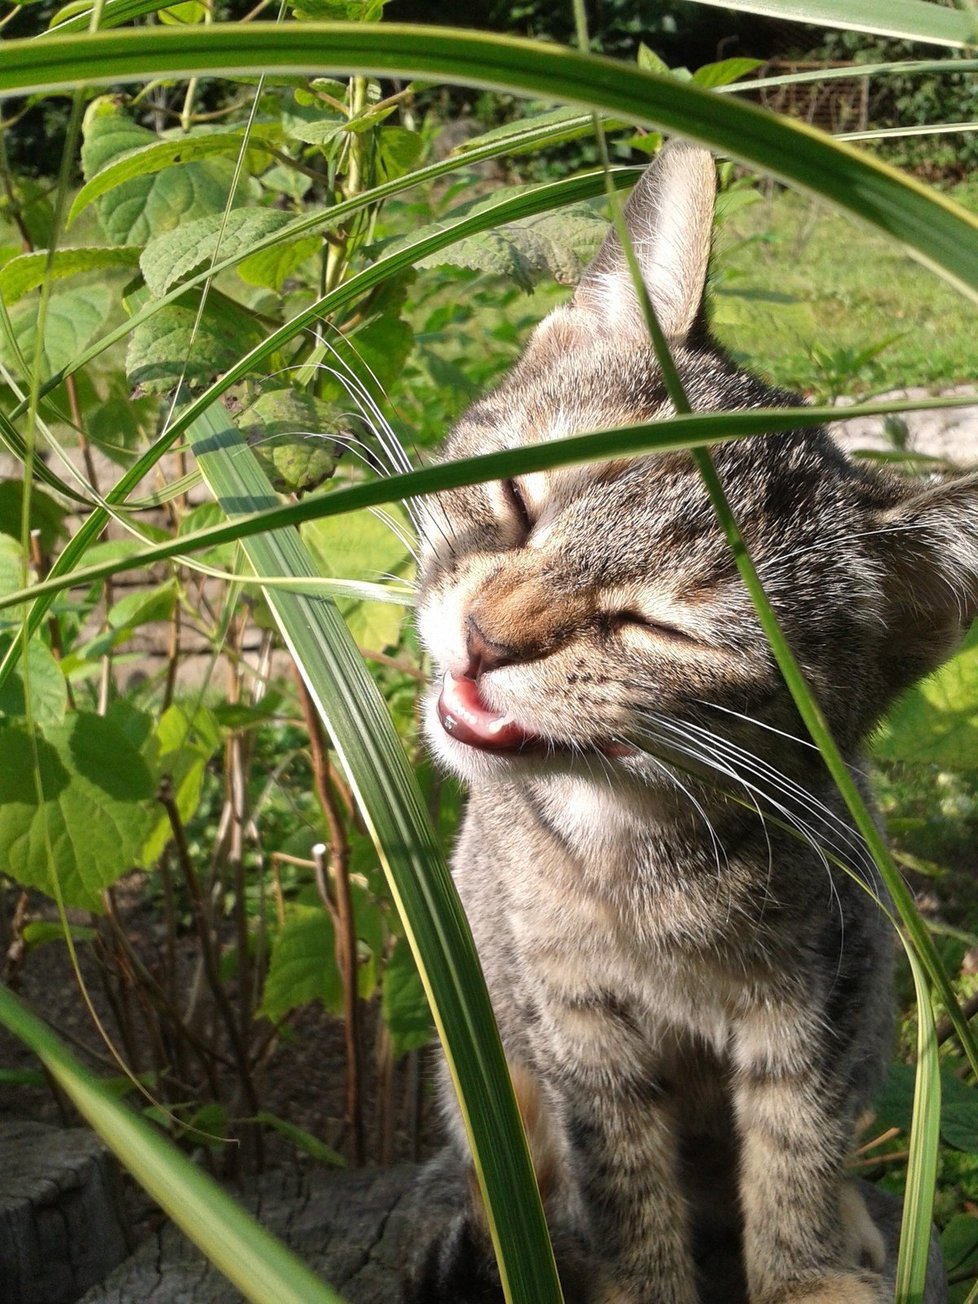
(349, 1227)
(61, 1221)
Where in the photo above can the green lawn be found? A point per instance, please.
(821, 304)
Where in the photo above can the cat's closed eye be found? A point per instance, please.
(637, 620)
(516, 507)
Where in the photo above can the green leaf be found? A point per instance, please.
(959, 1125)
(48, 689)
(398, 150)
(188, 11)
(134, 210)
(303, 965)
(169, 257)
(176, 345)
(351, 11)
(403, 1003)
(88, 827)
(150, 156)
(552, 244)
(270, 268)
(11, 578)
(179, 747)
(28, 271)
(314, 123)
(364, 546)
(302, 1140)
(293, 436)
(42, 931)
(937, 721)
(724, 72)
(73, 318)
(46, 515)
(144, 606)
(959, 1244)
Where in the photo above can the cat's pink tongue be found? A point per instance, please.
(465, 716)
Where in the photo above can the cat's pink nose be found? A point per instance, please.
(484, 654)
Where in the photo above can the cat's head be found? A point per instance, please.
(579, 616)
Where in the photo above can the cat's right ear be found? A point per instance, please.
(669, 219)
(928, 544)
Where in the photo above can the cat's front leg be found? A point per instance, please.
(450, 1257)
(796, 1128)
(626, 1144)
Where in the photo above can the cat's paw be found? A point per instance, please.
(864, 1246)
(835, 1288)
(454, 1267)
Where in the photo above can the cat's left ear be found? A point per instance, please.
(669, 219)
(929, 546)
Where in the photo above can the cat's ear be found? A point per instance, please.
(669, 218)
(929, 545)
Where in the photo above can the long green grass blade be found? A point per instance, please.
(930, 227)
(925, 1126)
(911, 20)
(698, 430)
(387, 793)
(258, 1265)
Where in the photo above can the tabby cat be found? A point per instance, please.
(694, 998)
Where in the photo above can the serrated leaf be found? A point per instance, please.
(271, 268)
(363, 546)
(173, 345)
(152, 155)
(94, 814)
(28, 271)
(556, 244)
(147, 205)
(171, 257)
(293, 435)
(403, 1004)
(937, 721)
(74, 317)
(48, 689)
(303, 965)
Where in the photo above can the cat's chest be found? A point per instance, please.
(586, 906)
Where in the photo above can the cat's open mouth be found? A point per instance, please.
(467, 718)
